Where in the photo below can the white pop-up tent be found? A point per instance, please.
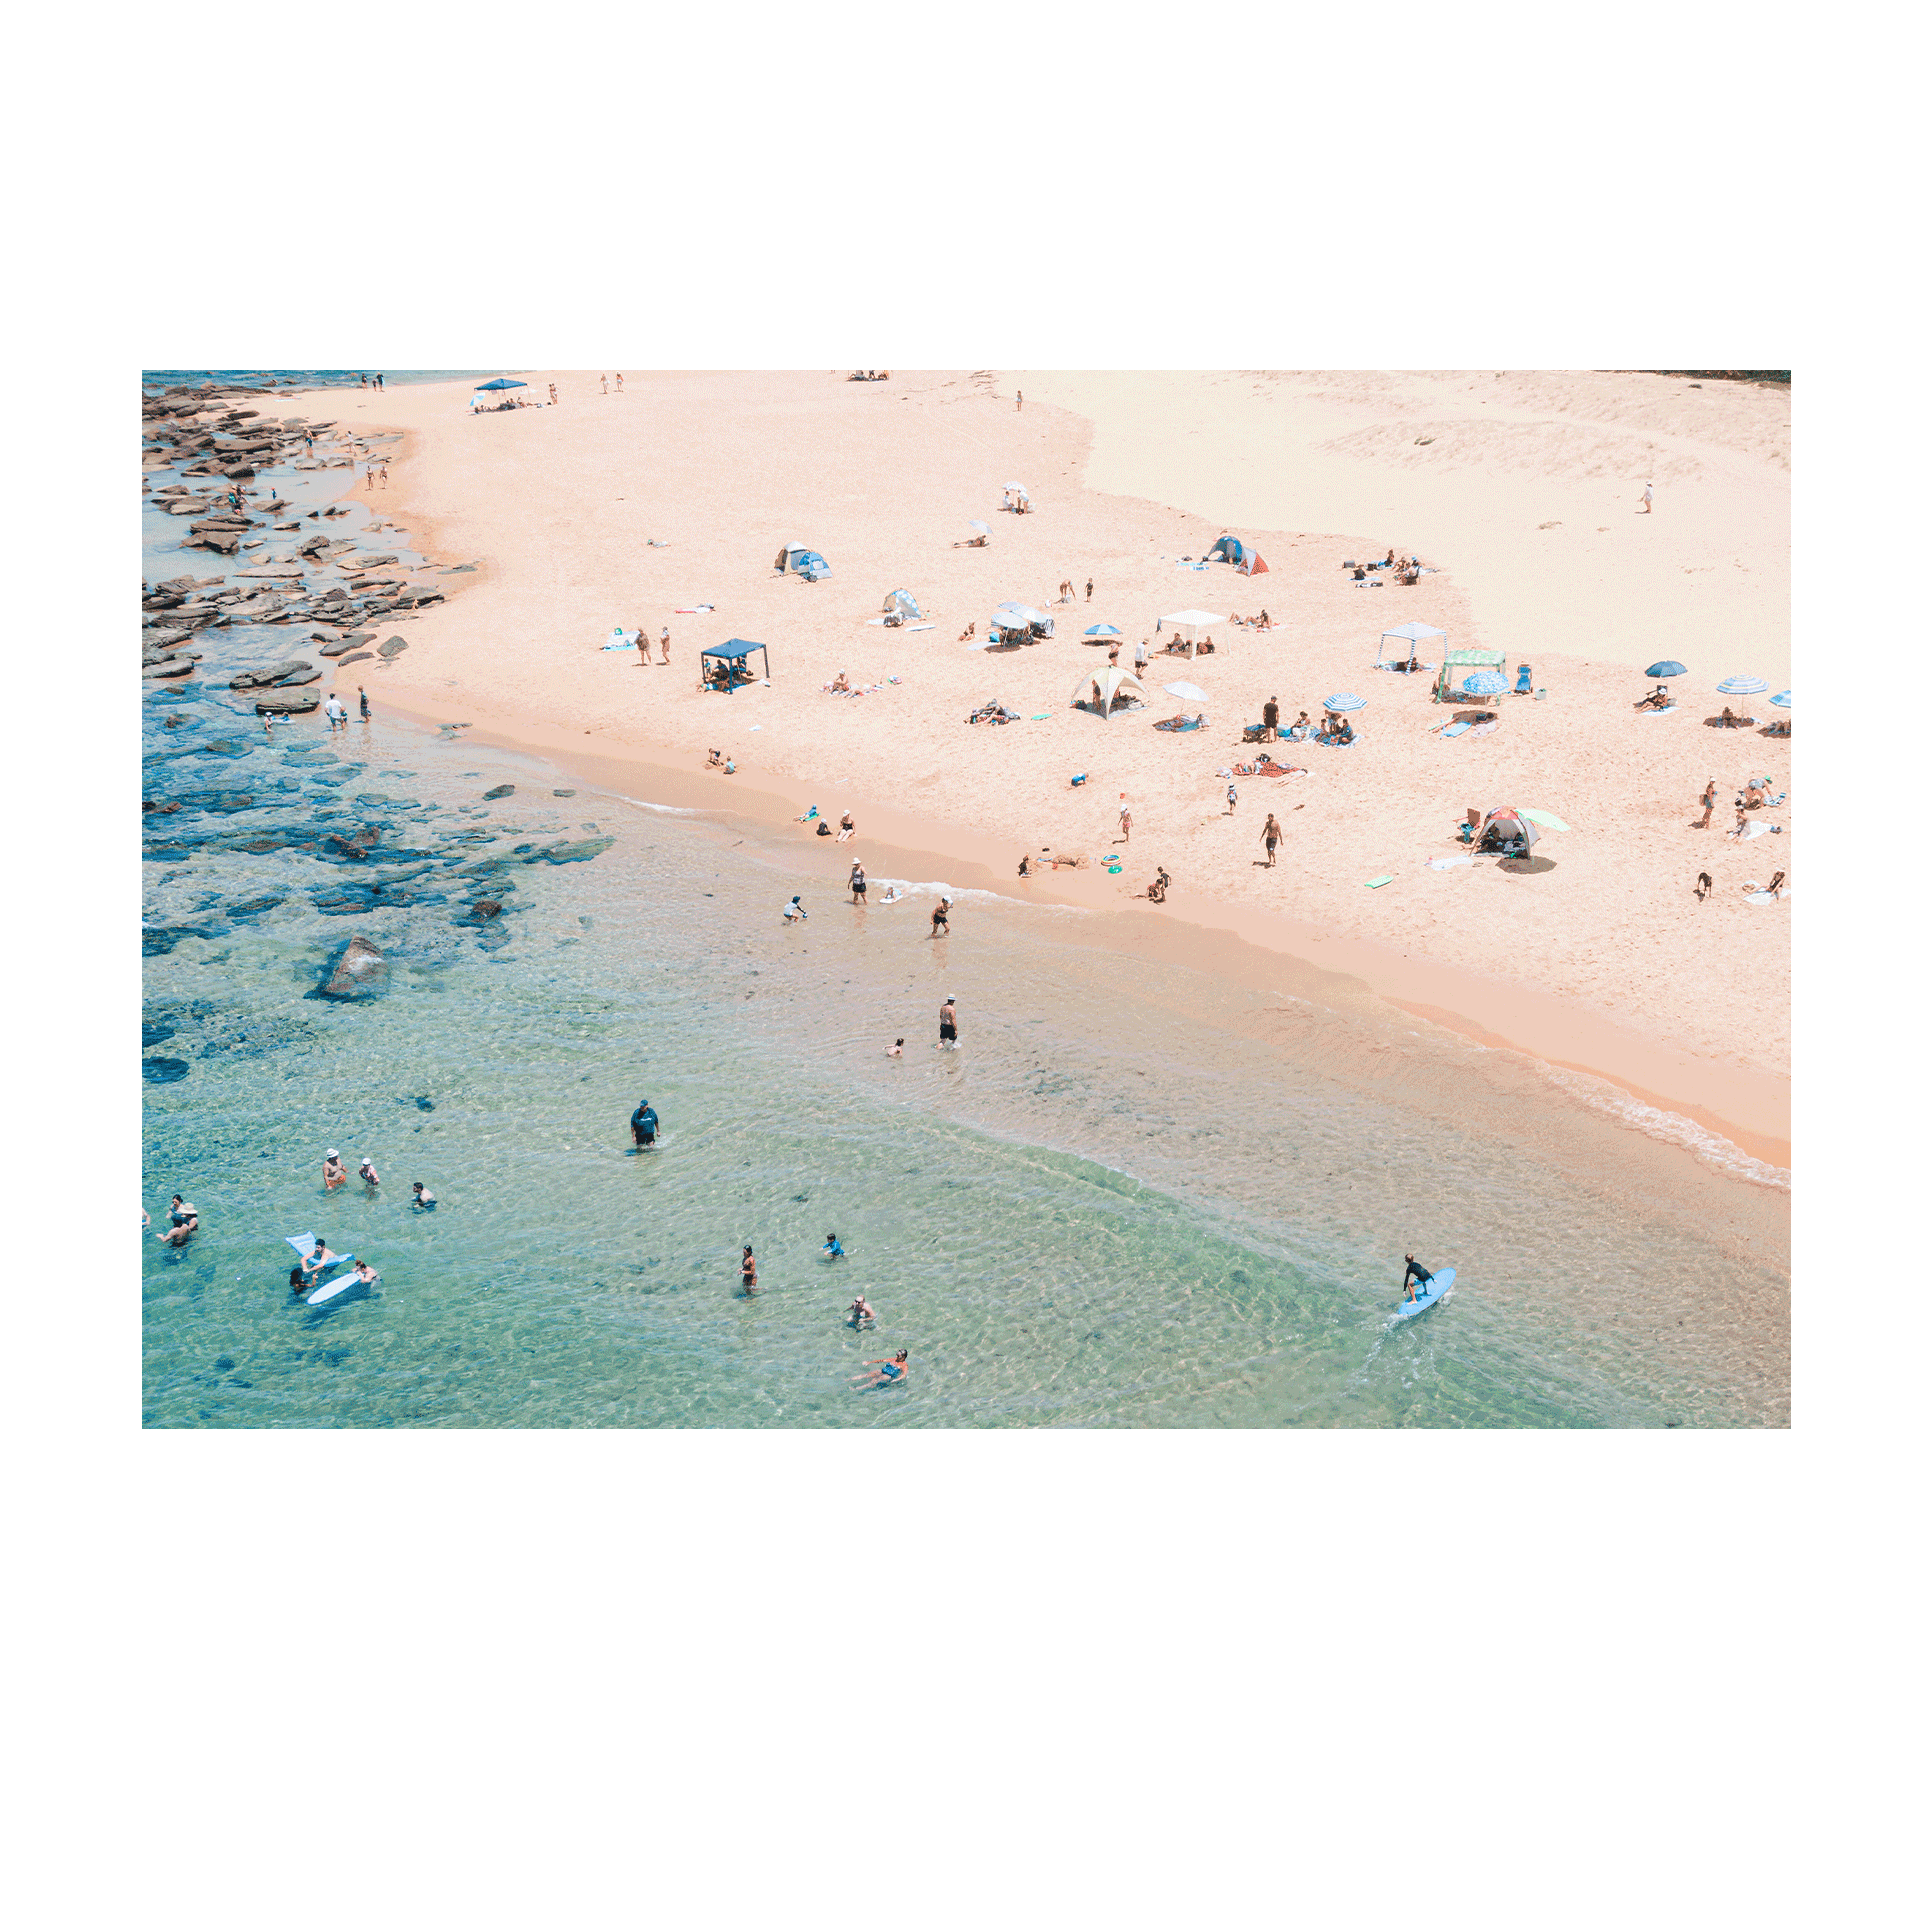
(1105, 685)
(1014, 496)
(1412, 634)
(1189, 625)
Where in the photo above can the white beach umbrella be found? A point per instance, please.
(1185, 690)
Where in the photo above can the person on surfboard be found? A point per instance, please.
(1417, 1277)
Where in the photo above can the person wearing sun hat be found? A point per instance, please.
(370, 1178)
(331, 1171)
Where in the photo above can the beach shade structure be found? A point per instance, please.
(1665, 670)
(1783, 700)
(728, 669)
(1192, 623)
(1456, 667)
(1101, 631)
(1742, 684)
(1505, 831)
(801, 561)
(1410, 636)
(1343, 703)
(498, 386)
(1014, 497)
(1013, 619)
(1237, 554)
(1185, 690)
(979, 526)
(1485, 685)
(1104, 686)
(900, 601)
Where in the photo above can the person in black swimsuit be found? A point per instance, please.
(949, 1024)
(1417, 1277)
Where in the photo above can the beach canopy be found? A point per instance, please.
(1412, 633)
(1506, 831)
(1190, 623)
(1782, 699)
(1461, 662)
(1343, 703)
(1541, 818)
(1184, 690)
(901, 601)
(1483, 684)
(1015, 616)
(1102, 631)
(1664, 669)
(1742, 684)
(497, 386)
(1012, 491)
(729, 653)
(979, 526)
(1104, 686)
(1237, 554)
(796, 559)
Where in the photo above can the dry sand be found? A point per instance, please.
(1604, 961)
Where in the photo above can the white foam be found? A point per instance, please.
(1717, 1151)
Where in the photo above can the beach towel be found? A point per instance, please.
(706, 606)
(1384, 880)
(1326, 742)
(1458, 727)
(1482, 726)
(1039, 716)
(1764, 899)
(977, 646)
(617, 646)
(1651, 710)
(1454, 860)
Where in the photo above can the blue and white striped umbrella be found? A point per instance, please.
(1743, 683)
(1782, 699)
(1343, 703)
(1104, 631)
(1485, 683)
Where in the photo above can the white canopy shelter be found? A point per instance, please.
(1013, 494)
(1412, 634)
(1105, 685)
(1189, 625)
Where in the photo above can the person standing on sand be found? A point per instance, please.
(1646, 499)
(1139, 657)
(1113, 654)
(383, 476)
(1126, 822)
(603, 385)
(1019, 399)
(553, 394)
(857, 880)
(644, 648)
(1233, 798)
(1270, 717)
(619, 383)
(1088, 595)
(949, 1024)
(665, 638)
(939, 918)
(1706, 807)
(366, 706)
(1272, 835)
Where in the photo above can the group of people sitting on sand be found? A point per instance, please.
(1186, 645)
(1160, 886)
(716, 759)
(1726, 717)
(1268, 725)
(993, 714)
(857, 375)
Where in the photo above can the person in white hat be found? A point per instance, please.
(368, 1177)
(331, 1171)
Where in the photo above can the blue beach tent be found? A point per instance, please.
(901, 601)
(728, 670)
(796, 559)
(1236, 553)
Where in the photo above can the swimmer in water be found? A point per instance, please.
(859, 1314)
(897, 1049)
(363, 1273)
(421, 1197)
(183, 1222)
(368, 1177)
(1415, 1282)
(885, 1374)
(331, 1171)
(312, 1266)
(749, 1273)
(833, 1249)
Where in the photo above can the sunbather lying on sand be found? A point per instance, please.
(1773, 886)
(978, 540)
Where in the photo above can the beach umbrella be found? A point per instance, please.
(498, 386)
(1104, 632)
(1343, 703)
(1782, 699)
(1485, 683)
(1742, 683)
(1664, 669)
(1184, 690)
(979, 526)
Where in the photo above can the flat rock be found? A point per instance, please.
(498, 793)
(360, 970)
(389, 647)
(171, 669)
(286, 703)
(334, 648)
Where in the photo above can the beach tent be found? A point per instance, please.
(1192, 623)
(794, 558)
(1237, 554)
(1014, 495)
(1461, 662)
(1507, 832)
(1104, 686)
(901, 601)
(1412, 634)
(729, 654)
(1015, 616)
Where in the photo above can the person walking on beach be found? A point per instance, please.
(366, 706)
(1088, 595)
(857, 880)
(644, 646)
(1140, 657)
(619, 383)
(1706, 807)
(336, 713)
(1233, 798)
(1126, 823)
(940, 926)
(383, 475)
(1646, 499)
(1272, 835)
(665, 639)
(603, 386)
(949, 1024)
(553, 394)
(1019, 399)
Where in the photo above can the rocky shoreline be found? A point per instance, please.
(208, 433)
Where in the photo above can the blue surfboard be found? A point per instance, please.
(1434, 1289)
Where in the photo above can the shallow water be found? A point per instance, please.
(1137, 1194)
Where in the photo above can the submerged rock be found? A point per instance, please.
(497, 793)
(159, 1069)
(358, 972)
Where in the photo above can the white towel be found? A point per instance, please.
(1456, 860)
(1765, 899)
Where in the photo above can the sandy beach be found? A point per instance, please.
(1520, 490)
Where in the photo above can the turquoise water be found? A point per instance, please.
(1137, 1195)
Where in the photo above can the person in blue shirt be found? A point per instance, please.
(833, 1249)
(645, 1124)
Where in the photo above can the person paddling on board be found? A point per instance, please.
(645, 1124)
(1417, 1277)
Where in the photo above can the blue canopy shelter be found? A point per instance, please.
(728, 671)
(497, 386)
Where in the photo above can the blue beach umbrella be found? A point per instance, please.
(1343, 703)
(1782, 699)
(1104, 632)
(1743, 683)
(1664, 669)
(498, 386)
(1483, 683)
